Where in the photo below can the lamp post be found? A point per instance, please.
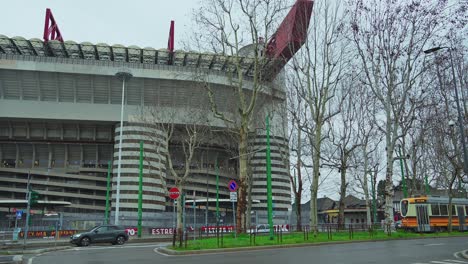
(460, 118)
(123, 75)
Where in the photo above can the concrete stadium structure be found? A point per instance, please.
(59, 121)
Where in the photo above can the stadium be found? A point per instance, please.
(60, 104)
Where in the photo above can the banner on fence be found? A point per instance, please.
(212, 229)
(162, 231)
(131, 231)
(48, 234)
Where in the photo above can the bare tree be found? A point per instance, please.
(389, 37)
(343, 139)
(237, 29)
(318, 69)
(178, 145)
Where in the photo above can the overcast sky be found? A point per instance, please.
(144, 23)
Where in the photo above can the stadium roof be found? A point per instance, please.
(119, 53)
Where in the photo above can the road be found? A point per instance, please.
(421, 251)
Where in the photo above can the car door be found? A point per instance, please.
(101, 234)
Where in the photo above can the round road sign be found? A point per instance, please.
(232, 185)
(174, 193)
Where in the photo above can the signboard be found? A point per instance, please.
(174, 193)
(19, 214)
(232, 185)
(233, 196)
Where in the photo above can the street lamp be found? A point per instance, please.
(460, 119)
(123, 75)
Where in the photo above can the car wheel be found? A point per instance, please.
(85, 241)
(120, 240)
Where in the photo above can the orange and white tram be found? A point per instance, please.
(430, 213)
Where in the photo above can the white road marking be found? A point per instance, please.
(456, 261)
(449, 261)
(430, 245)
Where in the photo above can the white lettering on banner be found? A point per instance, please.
(162, 231)
(222, 229)
(131, 231)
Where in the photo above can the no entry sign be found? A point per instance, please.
(174, 193)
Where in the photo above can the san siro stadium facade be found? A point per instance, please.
(60, 121)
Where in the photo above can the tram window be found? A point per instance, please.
(404, 207)
(454, 212)
(443, 209)
(466, 210)
(435, 209)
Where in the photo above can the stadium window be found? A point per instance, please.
(443, 209)
(435, 209)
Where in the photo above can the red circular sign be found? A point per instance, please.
(174, 193)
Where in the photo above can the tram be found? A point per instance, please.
(430, 213)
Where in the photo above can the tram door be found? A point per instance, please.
(423, 218)
(461, 217)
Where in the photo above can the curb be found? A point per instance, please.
(36, 251)
(172, 252)
(63, 243)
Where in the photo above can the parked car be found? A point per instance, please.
(101, 234)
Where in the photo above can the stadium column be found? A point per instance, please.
(153, 170)
(280, 182)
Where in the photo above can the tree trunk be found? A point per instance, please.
(365, 187)
(243, 185)
(248, 215)
(450, 216)
(389, 184)
(180, 228)
(297, 202)
(316, 176)
(341, 217)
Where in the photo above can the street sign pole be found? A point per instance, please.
(232, 186)
(234, 220)
(174, 193)
(28, 211)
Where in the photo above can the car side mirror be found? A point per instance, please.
(96, 231)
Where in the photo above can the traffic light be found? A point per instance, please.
(34, 197)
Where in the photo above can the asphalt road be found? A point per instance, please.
(421, 251)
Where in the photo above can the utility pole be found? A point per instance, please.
(140, 191)
(106, 221)
(268, 167)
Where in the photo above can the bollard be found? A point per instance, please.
(250, 236)
(174, 238)
(281, 235)
(186, 238)
(255, 236)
